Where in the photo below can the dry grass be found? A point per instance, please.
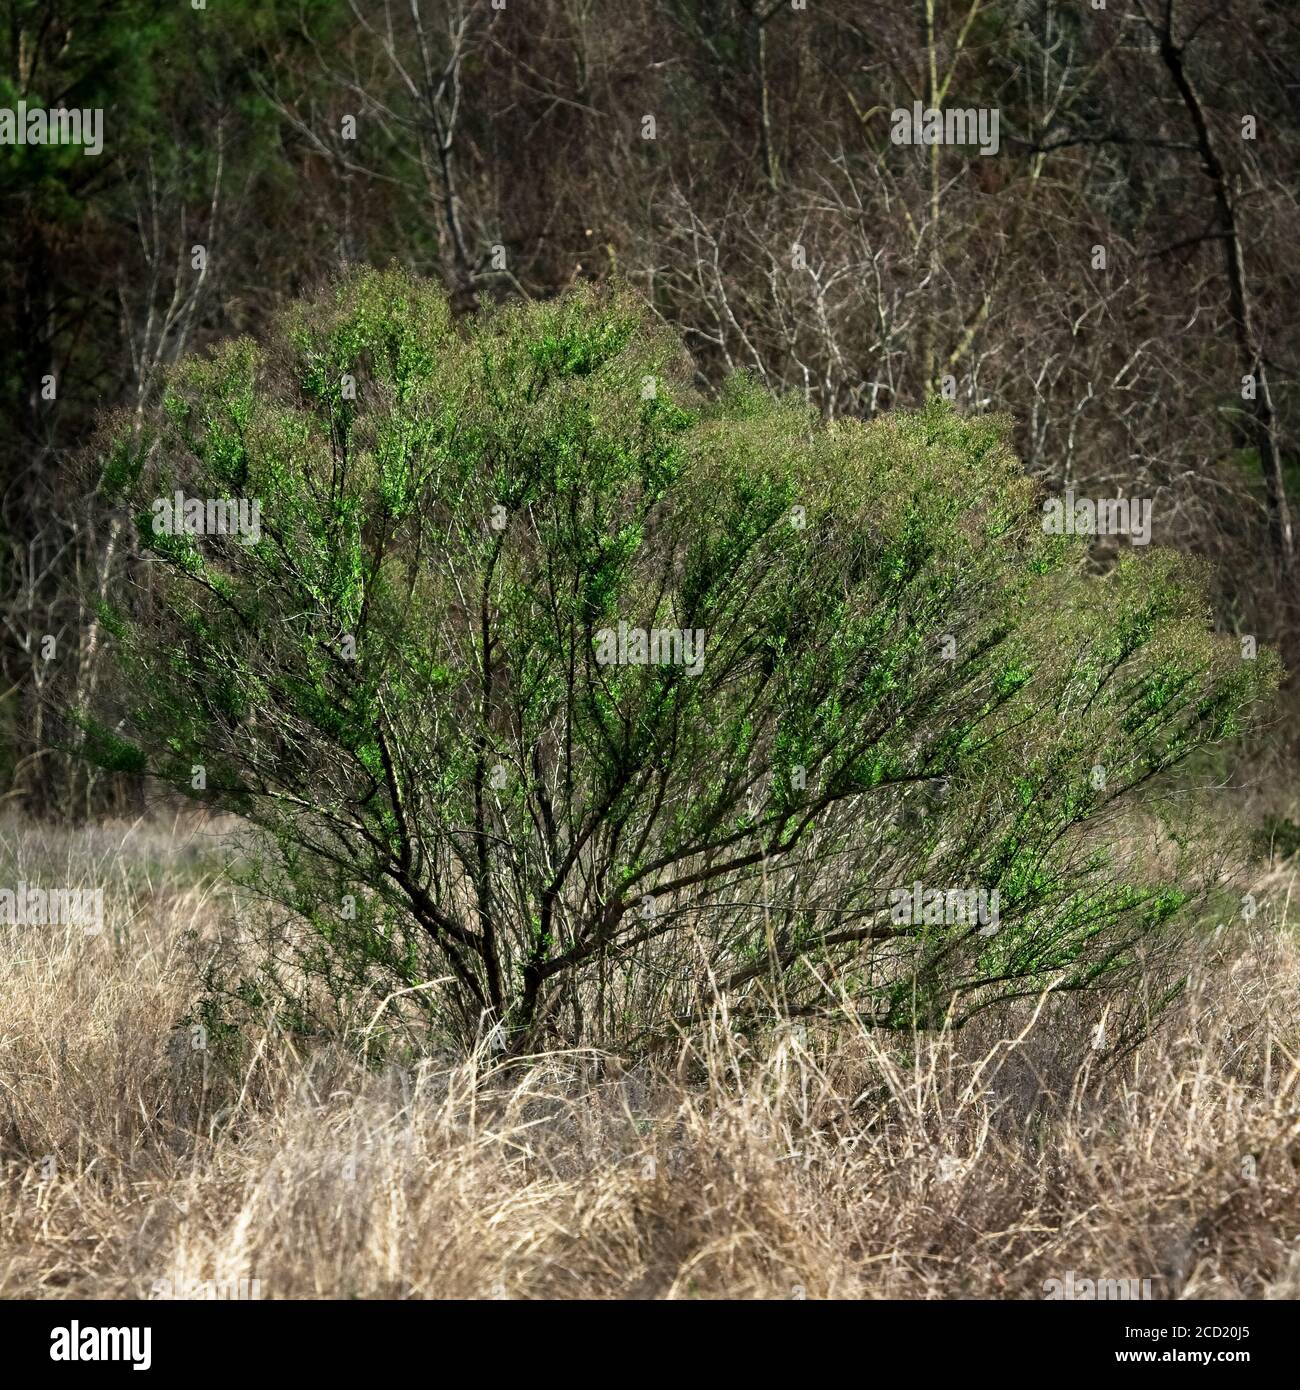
(833, 1165)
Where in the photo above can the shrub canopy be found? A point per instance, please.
(876, 671)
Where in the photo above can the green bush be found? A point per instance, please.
(404, 679)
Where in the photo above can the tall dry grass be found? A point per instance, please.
(832, 1163)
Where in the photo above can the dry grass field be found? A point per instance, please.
(836, 1164)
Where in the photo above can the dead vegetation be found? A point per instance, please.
(811, 1164)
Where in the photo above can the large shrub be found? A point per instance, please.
(414, 678)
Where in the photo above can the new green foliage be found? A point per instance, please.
(407, 677)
